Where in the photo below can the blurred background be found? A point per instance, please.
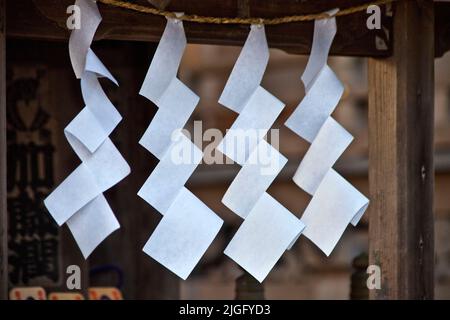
(43, 97)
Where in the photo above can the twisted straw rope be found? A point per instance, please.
(223, 20)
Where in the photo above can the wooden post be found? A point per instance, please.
(3, 212)
(401, 172)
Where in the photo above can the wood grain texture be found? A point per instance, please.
(46, 19)
(64, 102)
(3, 147)
(401, 170)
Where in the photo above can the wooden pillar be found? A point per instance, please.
(401, 172)
(3, 212)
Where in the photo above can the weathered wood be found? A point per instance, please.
(46, 19)
(62, 102)
(401, 170)
(3, 146)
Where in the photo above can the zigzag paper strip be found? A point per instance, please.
(78, 200)
(269, 228)
(335, 202)
(188, 226)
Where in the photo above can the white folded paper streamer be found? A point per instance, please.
(335, 202)
(188, 226)
(78, 200)
(269, 228)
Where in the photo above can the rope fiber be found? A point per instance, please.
(223, 20)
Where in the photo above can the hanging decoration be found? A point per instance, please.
(188, 226)
(335, 202)
(269, 228)
(78, 201)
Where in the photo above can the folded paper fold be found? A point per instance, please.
(266, 233)
(335, 202)
(78, 200)
(188, 226)
(269, 229)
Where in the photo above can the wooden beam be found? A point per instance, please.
(401, 170)
(3, 147)
(46, 19)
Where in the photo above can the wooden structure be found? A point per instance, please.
(401, 106)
